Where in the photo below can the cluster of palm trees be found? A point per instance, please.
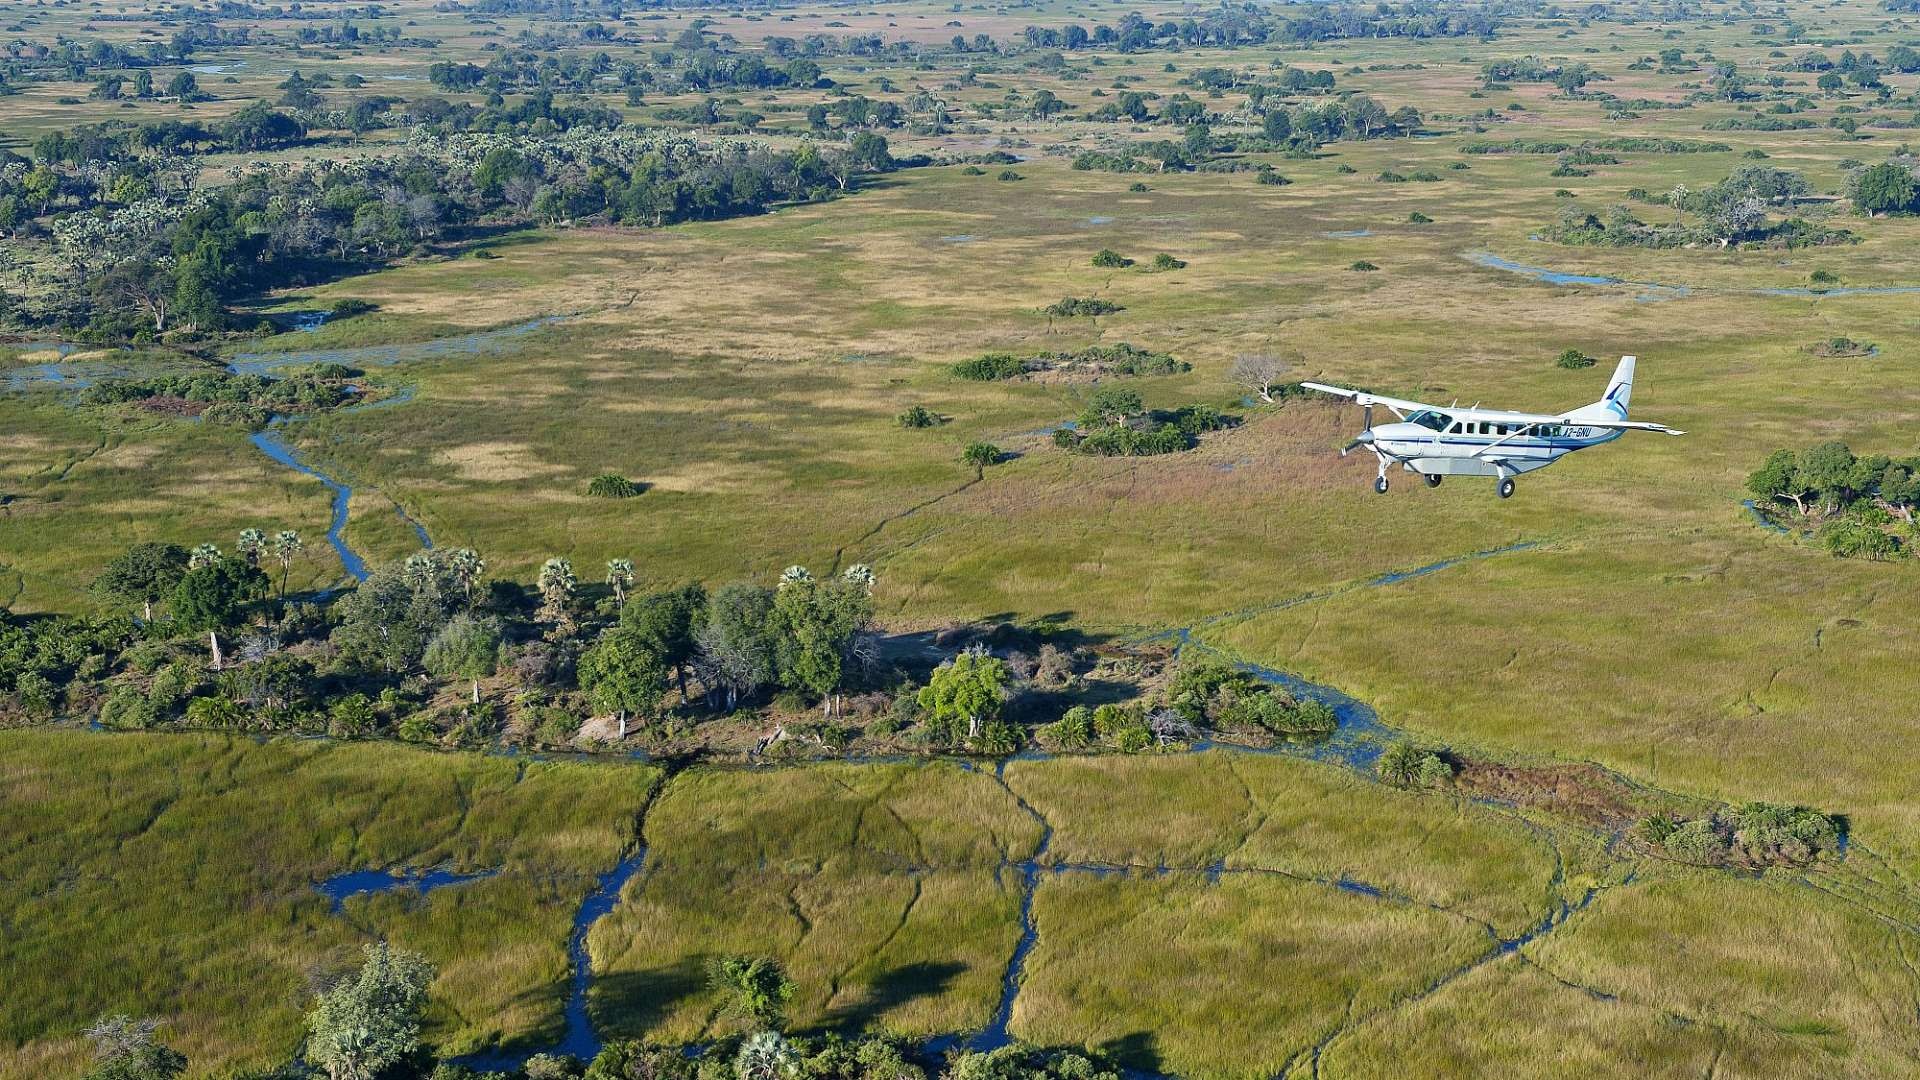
(253, 546)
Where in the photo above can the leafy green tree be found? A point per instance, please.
(1887, 188)
(127, 1049)
(144, 574)
(388, 619)
(736, 650)
(212, 595)
(1779, 478)
(467, 647)
(966, 691)
(815, 625)
(371, 1021)
(666, 621)
(624, 673)
(754, 988)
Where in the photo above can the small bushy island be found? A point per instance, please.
(1858, 507)
(1094, 361)
(1116, 423)
(1754, 836)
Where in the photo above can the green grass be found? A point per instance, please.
(1255, 812)
(883, 889)
(174, 877)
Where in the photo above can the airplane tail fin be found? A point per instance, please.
(1612, 406)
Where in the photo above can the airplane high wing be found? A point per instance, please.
(1571, 418)
(1400, 406)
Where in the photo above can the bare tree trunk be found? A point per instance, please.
(476, 691)
(213, 639)
(146, 609)
(623, 723)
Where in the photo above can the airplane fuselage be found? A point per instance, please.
(1480, 443)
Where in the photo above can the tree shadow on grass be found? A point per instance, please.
(1136, 1052)
(628, 1004)
(891, 990)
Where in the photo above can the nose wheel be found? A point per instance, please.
(1380, 485)
(1433, 479)
(1506, 487)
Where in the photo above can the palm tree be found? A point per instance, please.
(795, 575)
(467, 567)
(860, 574)
(286, 544)
(556, 587)
(203, 555)
(620, 576)
(252, 543)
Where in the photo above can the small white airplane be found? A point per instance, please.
(1437, 442)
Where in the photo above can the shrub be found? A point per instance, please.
(1346, 169)
(1271, 178)
(1164, 261)
(980, 454)
(1407, 765)
(1574, 359)
(1388, 176)
(1138, 186)
(990, 367)
(1073, 730)
(1070, 306)
(1418, 218)
(1107, 257)
(919, 416)
(347, 309)
(1824, 277)
(609, 486)
(973, 170)
(1009, 174)
(1361, 264)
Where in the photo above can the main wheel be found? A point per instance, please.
(1380, 485)
(1433, 479)
(1506, 487)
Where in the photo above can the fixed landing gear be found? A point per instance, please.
(1380, 484)
(1506, 487)
(1433, 479)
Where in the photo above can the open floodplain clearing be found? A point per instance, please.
(1200, 913)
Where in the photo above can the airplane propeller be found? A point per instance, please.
(1366, 431)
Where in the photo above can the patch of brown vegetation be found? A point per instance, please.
(1581, 792)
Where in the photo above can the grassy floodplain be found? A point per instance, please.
(749, 374)
(176, 876)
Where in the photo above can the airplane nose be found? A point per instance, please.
(1365, 438)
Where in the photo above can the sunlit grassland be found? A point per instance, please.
(1256, 812)
(80, 487)
(174, 876)
(885, 890)
(1233, 978)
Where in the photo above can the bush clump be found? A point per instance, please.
(990, 367)
(1109, 258)
(1361, 265)
(1408, 765)
(1164, 261)
(1755, 835)
(1418, 218)
(1574, 359)
(610, 486)
(1071, 306)
(919, 416)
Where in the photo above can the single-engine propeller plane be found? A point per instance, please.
(1436, 442)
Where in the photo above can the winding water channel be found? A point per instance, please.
(1356, 744)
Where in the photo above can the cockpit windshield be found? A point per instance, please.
(1430, 418)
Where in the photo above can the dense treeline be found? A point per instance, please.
(1731, 213)
(1246, 24)
(139, 250)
